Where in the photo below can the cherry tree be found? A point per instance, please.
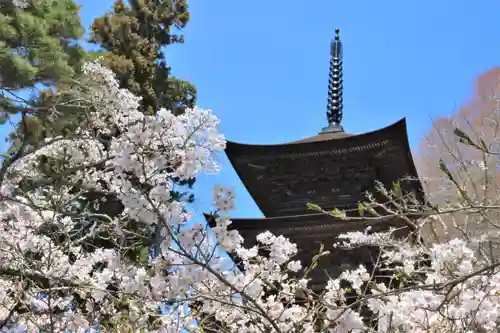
(459, 162)
(66, 264)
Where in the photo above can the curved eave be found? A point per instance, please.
(310, 228)
(235, 150)
(411, 164)
(397, 126)
(267, 223)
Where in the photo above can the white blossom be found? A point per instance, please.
(65, 265)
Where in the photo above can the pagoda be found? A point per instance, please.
(332, 169)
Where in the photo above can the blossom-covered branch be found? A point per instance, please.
(94, 237)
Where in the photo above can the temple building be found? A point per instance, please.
(332, 169)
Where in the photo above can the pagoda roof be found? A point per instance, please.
(331, 169)
(308, 227)
(309, 231)
(324, 136)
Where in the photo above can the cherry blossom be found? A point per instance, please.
(68, 262)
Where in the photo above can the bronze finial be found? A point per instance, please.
(335, 87)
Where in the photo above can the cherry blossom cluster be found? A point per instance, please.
(20, 3)
(68, 263)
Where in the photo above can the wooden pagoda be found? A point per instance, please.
(332, 169)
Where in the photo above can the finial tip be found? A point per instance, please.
(334, 106)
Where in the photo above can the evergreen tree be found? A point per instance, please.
(133, 38)
(37, 49)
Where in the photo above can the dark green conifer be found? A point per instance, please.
(37, 50)
(134, 39)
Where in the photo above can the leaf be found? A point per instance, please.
(464, 138)
(312, 206)
(483, 144)
(396, 187)
(445, 169)
(401, 276)
(144, 255)
(3, 119)
(338, 213)
(361, 208)
(370, 209)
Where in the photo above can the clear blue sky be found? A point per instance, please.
(262, 65)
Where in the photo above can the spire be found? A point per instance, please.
(334, 108)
